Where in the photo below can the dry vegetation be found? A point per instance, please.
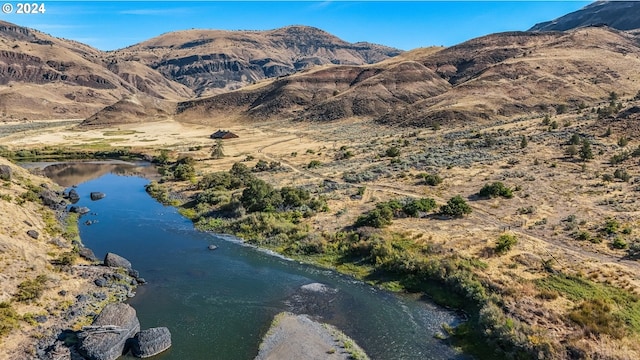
(40, 278)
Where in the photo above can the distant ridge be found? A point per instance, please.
(621, 15)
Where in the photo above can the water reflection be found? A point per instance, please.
(73, 173)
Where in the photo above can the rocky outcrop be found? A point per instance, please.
(79, 210)
(114, 260)
(106, 338)
(52, 200)
(151, 342)
(5, 172)
(96, 195)
(33, 234)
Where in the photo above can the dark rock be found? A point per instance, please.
(212, 247)
(59, 243)
(34, 234)
(27, 223)
(5, 172)
(134, 273)
(82, 298)
(113, 260)
(79, 210)
(141, 281)
(52, 200)
(41, 319)
(101, 282)
(73, 196)
(151, 342)
(87, 254)
(105, 339)
(117, 277)
(62, 292)
(97, 195)
(100, 296)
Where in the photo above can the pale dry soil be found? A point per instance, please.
(293, 337)
(552, 184)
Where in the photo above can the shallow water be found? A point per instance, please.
(218, 304)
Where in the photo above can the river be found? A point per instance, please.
(218, 304)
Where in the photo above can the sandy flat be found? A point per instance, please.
(298, 337)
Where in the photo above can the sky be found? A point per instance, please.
(109, 25)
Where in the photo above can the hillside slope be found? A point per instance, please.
(42, 77)
(495, 76)
(621, 15)
(214, 61)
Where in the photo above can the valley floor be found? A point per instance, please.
(568, 286)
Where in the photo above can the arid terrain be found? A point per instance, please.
(537, 132)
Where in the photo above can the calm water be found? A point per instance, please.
(218, 304)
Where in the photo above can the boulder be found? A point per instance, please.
(73, 196)
(79, 210)
(5, 172)
(96, 195)
(87, 254)
(34, 234)
(113, 260)
(105, 339)
(151, 342)
(212, 247)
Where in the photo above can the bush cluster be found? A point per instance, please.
(494, 190)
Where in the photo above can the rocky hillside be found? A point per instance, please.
(621, 15)
(45, 286)
(214, 61)
(43, 77)
(495, 76)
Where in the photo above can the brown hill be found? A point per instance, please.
(621, 15)
(496, 76)
(517, 74)
(131, 109)
(46, 77)
(215, 61)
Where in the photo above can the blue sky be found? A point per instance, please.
(405, 25)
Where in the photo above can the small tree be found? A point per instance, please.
(585, 151)
(217, 151)
(575, 139)
(505, 242)
(456, 207)
(523, 142)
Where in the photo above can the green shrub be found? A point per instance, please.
(495, 189)
(379, 217)
(622, 174)
(392, 152)
(8, 318)
(414, 207)
(313, 164)
(505, 242)
(611, 226)
(432, 179)
(618, 243)
(596, 317)
(456, 207)
(31, 289)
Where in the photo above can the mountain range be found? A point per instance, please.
(304, 73)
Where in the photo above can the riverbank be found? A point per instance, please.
(46, 285)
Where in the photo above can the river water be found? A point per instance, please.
(218, 304)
